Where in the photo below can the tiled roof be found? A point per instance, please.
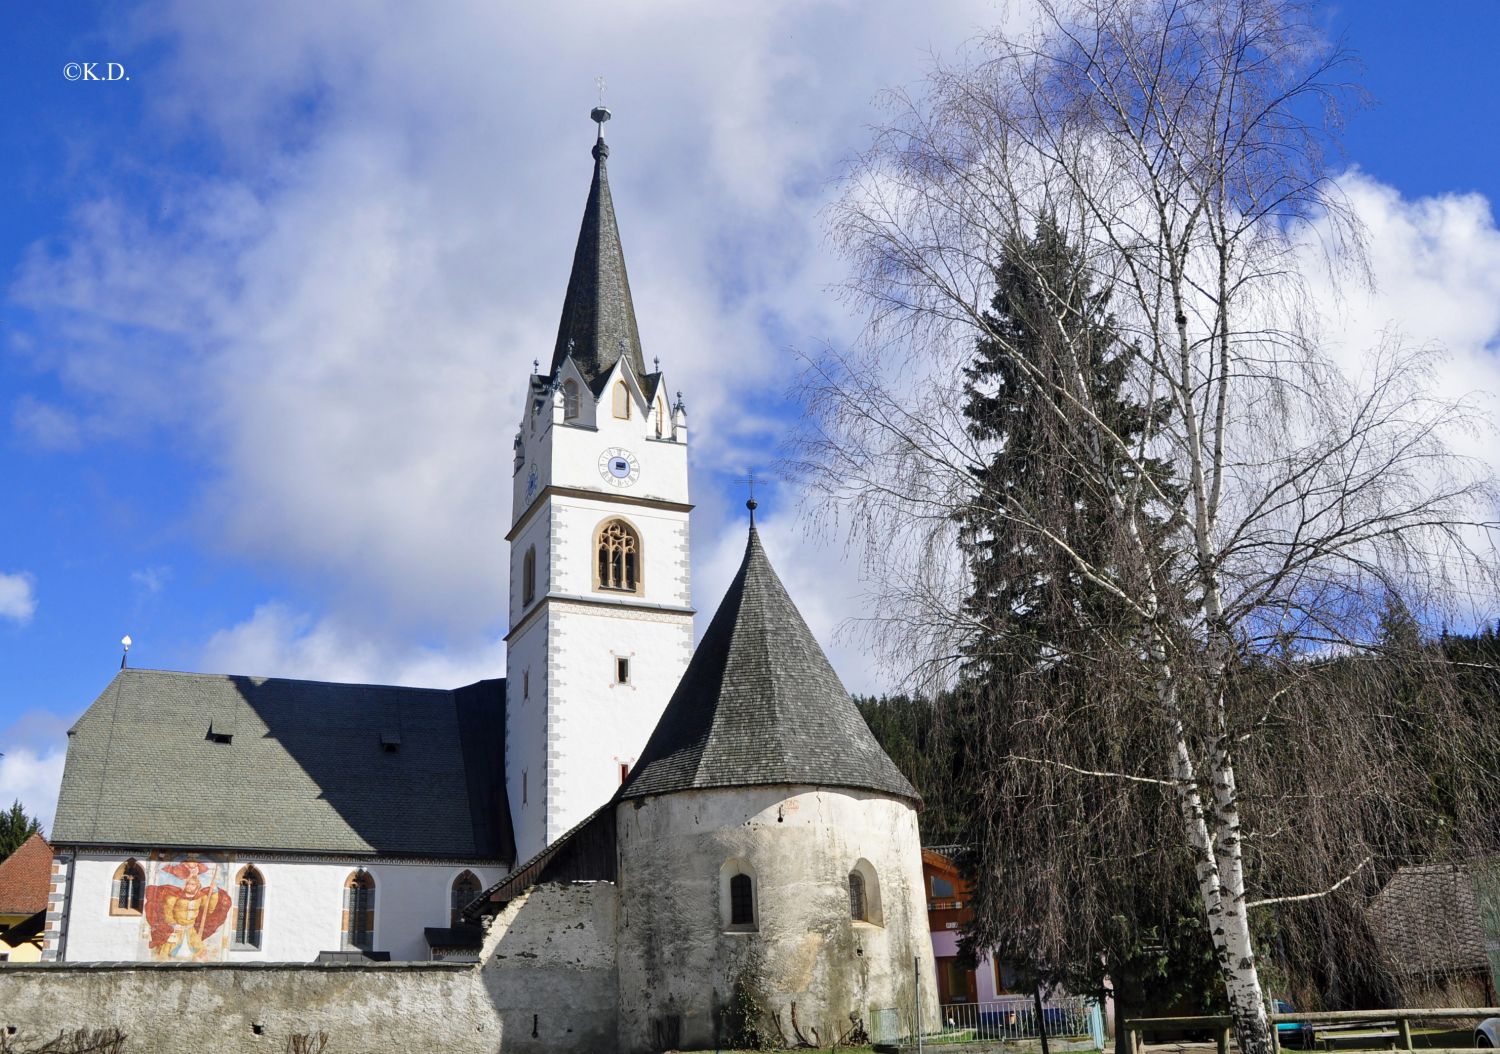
(760, 704)
(308, 767)
(1426, 920)
(25, 876)
(598, 324)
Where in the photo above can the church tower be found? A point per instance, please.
(601, 617)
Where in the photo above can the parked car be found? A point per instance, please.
(1488, 1033)
(1294, 1034)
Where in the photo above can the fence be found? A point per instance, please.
(1013, 1018)
(1328, 1030)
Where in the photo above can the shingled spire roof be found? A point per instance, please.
(598, 319)
(760, 704)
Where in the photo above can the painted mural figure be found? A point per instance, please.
(184, 921)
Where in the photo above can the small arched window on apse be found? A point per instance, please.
(465, 889)
(622, 400)
(249, 907)
(618, 566)
(864, 894)
(528, 576)
(737, 897)
(359, 911)
(570, 400)
(127, 889)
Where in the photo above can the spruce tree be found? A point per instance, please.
(1048, 375)
(15, 828)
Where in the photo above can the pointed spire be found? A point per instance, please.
(598, 324)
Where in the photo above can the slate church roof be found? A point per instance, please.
(760, 704)
(598, 324)
(205, 761)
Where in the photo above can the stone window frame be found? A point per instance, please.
(622, 400)
(128, 903)
(869, 883)
(570, 400)
(249, 878)
(359, 881)
(472, 888)
(635, 538)
(732, 869)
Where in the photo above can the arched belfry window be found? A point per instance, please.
(622, 400)
(465, 889)
(127, 889)
(359, 911)
(570, 400)
(249, 908)
(528, 576)
(618, 566)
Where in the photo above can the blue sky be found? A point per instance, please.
(266, 307)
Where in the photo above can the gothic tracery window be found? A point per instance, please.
(465, 889)
(359, 911)
(249, 908)
(619, 558)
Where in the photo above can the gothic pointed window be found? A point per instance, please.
(618, 567)
(570, 400)
(622, 400)
(359, 911)
(741, 901)
(465, 889)
(249, 908)
(528, 576)
(127, 889)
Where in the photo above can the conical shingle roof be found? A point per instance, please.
(598, 324)
(760, 704)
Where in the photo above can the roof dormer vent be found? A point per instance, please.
(390, 742)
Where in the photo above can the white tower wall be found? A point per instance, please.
(570, 724)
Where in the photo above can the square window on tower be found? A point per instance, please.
(622, 670)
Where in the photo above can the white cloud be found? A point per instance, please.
(277, 641)
(31, 767)
(17, 597)
(340, 318)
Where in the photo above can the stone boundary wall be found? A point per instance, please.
(547, 982)
(252, 1007)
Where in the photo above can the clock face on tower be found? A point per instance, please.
(619, 467)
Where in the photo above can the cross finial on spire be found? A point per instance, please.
(599, 114)
(536, 365)
(656, 363)
(750, 503)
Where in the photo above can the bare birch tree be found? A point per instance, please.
(1181, 145)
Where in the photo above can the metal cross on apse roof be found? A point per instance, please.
(750, 502)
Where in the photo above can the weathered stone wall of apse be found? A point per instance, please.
(546, 982)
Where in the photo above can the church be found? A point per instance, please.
(695, 823)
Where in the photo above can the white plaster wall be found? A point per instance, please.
(566, 453)
(675, 956)
(595, 724)
(304, 903)
(567, 737)
(526, 734)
